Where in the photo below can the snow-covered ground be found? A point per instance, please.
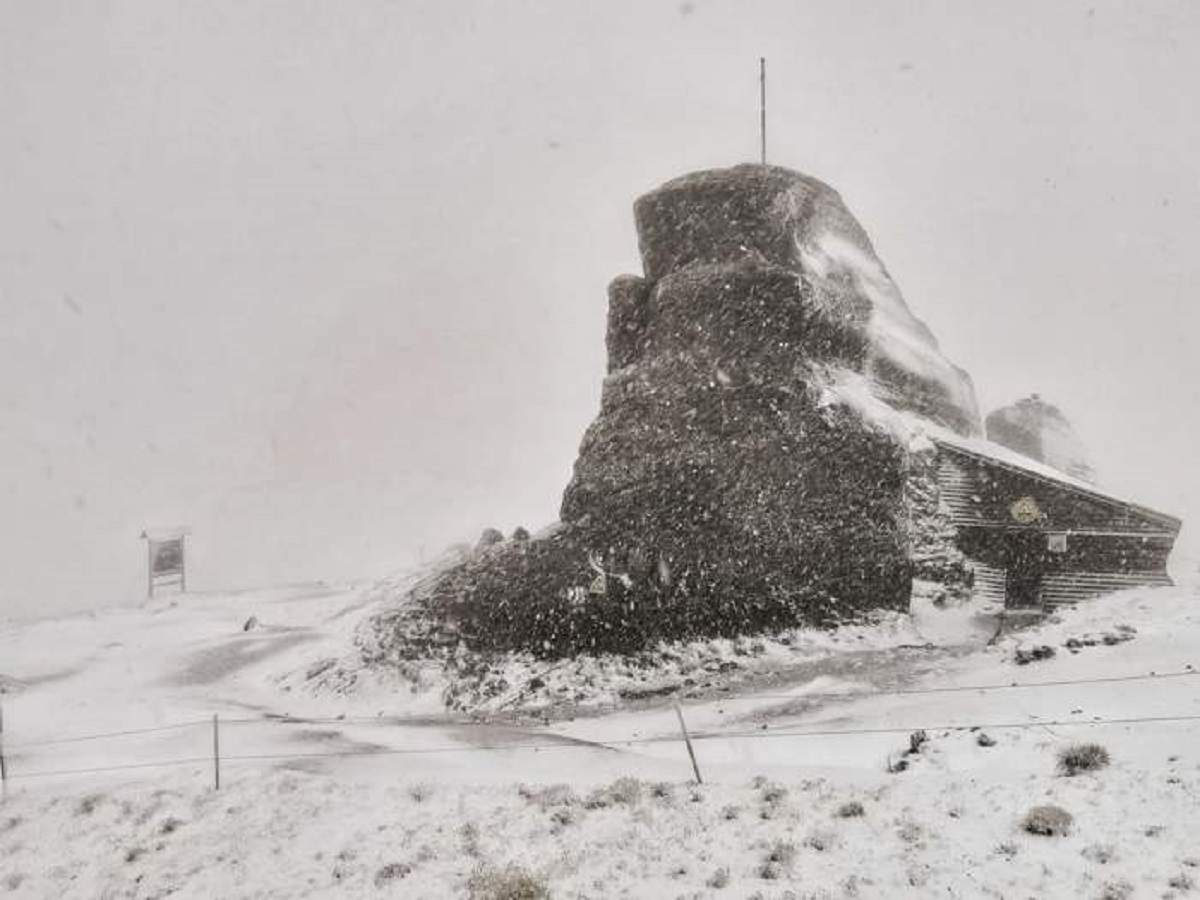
(380, 791)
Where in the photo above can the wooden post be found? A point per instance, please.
(183, 565)
(216, 754)
(3, 763)
(688, 741)
(762, 105)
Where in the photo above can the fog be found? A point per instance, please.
(326, 282)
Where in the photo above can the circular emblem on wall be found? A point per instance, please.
(1025, 511)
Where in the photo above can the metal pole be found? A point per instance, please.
(688, 741)
(762, 105)
(216, 754)
(3, 764)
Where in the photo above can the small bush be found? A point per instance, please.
(1082, 758)
(391, 872)
(622, 792)
(563, 816)
(782, 852)
(88, 804)
(985, 740)
(1102, 854)
(718, 879)
(468, 832)
(1181, 882)
(1116, 890)
(509, 883)
(730, 812)
(169, 825)
(779, 858)
(773, 793)
(420, 792)
(1048, 820)
(850, 810)
(662, 791)
(820, 841)
(916, 740)
(548, 796)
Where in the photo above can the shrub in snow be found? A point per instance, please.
(563, 816)
(780, 856)
(469, 833)
(773, 793)
(730, 812)
(985, 740)
(1116, 890)
(420, 792)
(1099, 853)
(718, 879)
(391, 872)
(662, 791)
(550, 795)
(820, 841)
(169, 825)
(916, 740)
(852, 809)
(1082, 758)
(509, 883)
(624, 791)
(520, 534)
(88, 804)
(1048, 820)
(1182, 882)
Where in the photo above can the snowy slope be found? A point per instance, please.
(416, 806)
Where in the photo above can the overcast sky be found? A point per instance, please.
(326, 281)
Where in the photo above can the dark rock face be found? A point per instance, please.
(1040, 431)
(771, 215)
(722, 489)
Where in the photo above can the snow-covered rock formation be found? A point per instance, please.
(726, 485)
(1040, 431)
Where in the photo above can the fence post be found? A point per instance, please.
(3, 763)
(688, 741)
(216, 754)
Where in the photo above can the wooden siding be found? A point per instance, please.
(1110, 544)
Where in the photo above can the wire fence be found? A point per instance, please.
(552, 741)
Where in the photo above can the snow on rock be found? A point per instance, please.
(718, 492)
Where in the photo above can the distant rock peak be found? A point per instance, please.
(1041, 431)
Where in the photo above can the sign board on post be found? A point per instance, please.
(166, 560)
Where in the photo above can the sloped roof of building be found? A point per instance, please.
(997, 454)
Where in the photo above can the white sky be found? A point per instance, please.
(326, 281)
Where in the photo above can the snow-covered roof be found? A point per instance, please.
(1011, 459)
(914, 430)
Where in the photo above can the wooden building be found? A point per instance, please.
(1037, 537)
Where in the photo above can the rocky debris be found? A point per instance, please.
(318, 667)
(489, 537)
(1040, 431)
(1024, 656)
(724, 488)
(1120, 635)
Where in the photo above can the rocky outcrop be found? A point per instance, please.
(1039, 430)
(724, 488)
